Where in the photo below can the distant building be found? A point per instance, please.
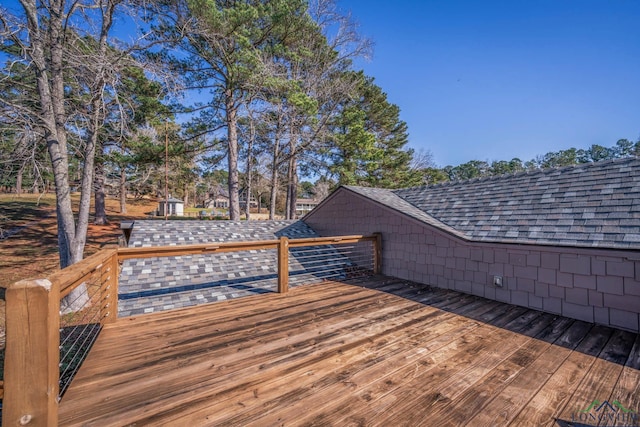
(176, 207)
(304, 206)
(219, 201)
(253, 203)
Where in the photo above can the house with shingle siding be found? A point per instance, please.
(564, 241)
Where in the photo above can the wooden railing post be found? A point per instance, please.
(283, 265)
(377, 253)
(111, 309)
(32, 355)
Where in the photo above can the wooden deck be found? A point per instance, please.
(340, 354)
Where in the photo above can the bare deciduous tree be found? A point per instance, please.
(65, 46)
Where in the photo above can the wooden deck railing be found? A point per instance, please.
(35, 322)
(33, 330)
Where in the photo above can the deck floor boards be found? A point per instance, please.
(378, 352)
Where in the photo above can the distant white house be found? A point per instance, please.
(222, 201)
(176, 207)
(304, 206)
(253, 203)
(219, 201)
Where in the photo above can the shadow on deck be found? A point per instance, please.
(379, 351)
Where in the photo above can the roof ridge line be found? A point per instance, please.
(528, 172)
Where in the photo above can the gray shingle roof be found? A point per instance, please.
(590, 205)
(162, 233)
(154, 284)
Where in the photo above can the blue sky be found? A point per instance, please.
(493, 80)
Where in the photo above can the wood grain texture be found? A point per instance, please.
(602, 378)
(627, 389)
(71, 277)
(387, 352)
(31, 354)
(283, 265)
(377, 253)
(110, 313)
(179, 250)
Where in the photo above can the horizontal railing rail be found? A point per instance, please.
(48, 336)
(179, 250)
(75, 275)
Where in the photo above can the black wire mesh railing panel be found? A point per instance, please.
(81, 317)
(164, 283)
(165, 275)
(330, 262)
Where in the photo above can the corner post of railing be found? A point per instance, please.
(111, 309)
(283, 265)
(32, 354)
(377, 253)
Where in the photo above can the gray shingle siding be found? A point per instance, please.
(550, 264)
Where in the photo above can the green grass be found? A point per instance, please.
(196, 210)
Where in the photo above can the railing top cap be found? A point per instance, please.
(31, 283)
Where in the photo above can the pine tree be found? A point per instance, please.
(370, 141)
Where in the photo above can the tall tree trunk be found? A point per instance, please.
(292, 189)
(96, 114)
(287, 202)
(123, 190)
(79, 298)
(274, 173)
(50, 82)
(274, 193)
(19, 179)
(46, 51)
(248, 190)
(185, 190)
(232, 136)
(99, 196)
(87, 174)
(292, 176)
(249, 169)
